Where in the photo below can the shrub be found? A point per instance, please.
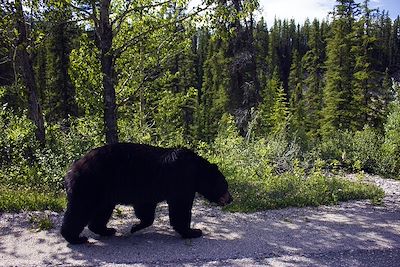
(336, 150)
(25, 164)
(366, 152)
(390, 163)
(259, 180)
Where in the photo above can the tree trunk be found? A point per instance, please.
(107, 66)
(34, 109)
(69, 105)
(244, 90)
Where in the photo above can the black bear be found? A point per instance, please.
(142, 176)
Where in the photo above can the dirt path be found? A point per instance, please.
(349, 234)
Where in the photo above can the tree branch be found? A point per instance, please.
(120, 19)
(118, 51)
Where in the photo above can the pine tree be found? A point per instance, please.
(261, 42)
(367, 89)
(381, 102)
(304, 37)
(214, 99)
(394, 44)
(273, 61)
(280, 110)
(273, 111)
(313, 82)
(296, 95)
(60, 94)
(338, 93)
(381, 29)
(244, 87)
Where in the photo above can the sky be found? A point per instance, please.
(301, 9)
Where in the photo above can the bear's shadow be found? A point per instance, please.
(149, 246)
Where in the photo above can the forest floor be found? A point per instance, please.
(354, 233)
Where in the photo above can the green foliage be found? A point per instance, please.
(259, 179)
(366, 150)
(14, 200)
(312, 96)
(296, 105)
(367, 153)
(337, 110)
(41, 222)
(26, 164)
(391, 145)
(213, 98)
(272, 114)
(280, 111)
(17, 145)
(86, 77)
(335, 150)
(313, 62)
(169, 117)
(135, 128)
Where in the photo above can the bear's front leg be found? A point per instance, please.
(180, 215)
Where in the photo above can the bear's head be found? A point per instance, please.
(212, 184)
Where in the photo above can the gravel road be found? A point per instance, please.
(350, 234)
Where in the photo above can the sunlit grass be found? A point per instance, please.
(14, 200)
(289, 190)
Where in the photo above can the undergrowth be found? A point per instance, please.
(263, 173)
(14, 200)
(268, 174)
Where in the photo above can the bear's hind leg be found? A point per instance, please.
(98, 223)
(75, 219)
(145, 213)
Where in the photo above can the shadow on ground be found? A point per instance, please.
(344, 234)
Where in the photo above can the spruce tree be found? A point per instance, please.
(213, 101)
(296, 95)
(60, 93)
(370, 97)
(273, 111)
(273, 59)
(338, 93)
(280, 110)
(261, 43)
(313, 82)
(394, 60)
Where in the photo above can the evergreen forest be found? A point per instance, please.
(285, 110)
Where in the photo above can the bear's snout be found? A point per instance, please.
(225, 199)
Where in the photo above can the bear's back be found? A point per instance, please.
(125, 170)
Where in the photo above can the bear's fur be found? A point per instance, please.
(142, 176)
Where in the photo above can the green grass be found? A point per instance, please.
(250, 195)
(290, 190)
(41, 222)
(14, 200)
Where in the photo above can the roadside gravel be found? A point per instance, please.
(354, 233)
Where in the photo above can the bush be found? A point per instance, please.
(366, 152)
(390, 163)
(336, 150)
(263, 173)
(25, 164)
(260, 180)
(17, 148)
